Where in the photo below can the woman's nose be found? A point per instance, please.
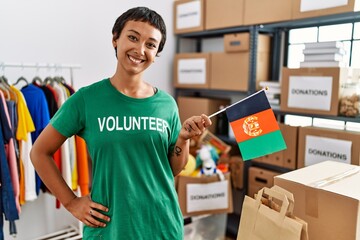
(140, 49)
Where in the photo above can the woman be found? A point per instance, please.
(134, 137)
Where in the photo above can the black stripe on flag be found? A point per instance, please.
(254, 104)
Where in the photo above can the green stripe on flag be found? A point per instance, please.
(262, 145)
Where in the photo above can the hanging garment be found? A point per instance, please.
(50, 99)
(11, 105)
(7, 200)
(23, 135)
(38, 108)
(82, 163)
(65, 148)
(72, 146)
(11, 157)
(39, 111)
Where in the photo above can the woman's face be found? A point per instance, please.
(137, 46)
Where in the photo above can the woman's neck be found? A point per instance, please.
(132, 86)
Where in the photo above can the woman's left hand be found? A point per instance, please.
(194, 126)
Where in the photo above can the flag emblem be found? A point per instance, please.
(251, 126)
(255, 127)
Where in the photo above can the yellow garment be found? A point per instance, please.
(74, 173)
(66, 90)
(25, 126)
(25, 122)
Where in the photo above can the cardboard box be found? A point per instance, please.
(237, 42)
(288, 157)
(258, 12)
(194, 106)
(312, 90)
(222, 14)
(203, 195)
(230, 71)
(327, 197)
(236, 166)
(316, 8)
(259, 178)
(192, 70)
(240, 42)
(321, 144)
(189, 16)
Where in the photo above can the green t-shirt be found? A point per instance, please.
(129, 141)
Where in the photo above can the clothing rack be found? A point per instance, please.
(69, 233)
(55, 66)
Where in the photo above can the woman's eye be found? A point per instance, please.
(132, 38)
(151, 45)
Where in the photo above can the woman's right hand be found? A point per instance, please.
(87, 211)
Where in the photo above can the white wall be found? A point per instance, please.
(74, 32)
(69, 32)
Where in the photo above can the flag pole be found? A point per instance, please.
(224, 109)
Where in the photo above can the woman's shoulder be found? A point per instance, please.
(165, 95)
(96, 86)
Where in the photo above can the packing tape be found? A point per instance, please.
(311, 194)
(335, 178)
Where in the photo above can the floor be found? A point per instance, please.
(212, 227)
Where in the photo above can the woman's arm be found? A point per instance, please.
(49, 141)
(193, 126)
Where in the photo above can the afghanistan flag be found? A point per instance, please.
(255, 127)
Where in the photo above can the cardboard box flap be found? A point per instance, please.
(338, 178)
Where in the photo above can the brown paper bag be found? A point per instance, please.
(260, 222)
(290, 212)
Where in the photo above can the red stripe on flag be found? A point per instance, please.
(254, 125)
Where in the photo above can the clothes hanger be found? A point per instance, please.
(21, 79)
(57, 79)
(48, 80)
(4, 82)
(38, 80)
(5, 92)
(62, 79)
(6, 86)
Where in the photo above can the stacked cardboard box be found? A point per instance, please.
(193, 106)
(321, 144)
(312, 90)
(288, 157)
(311, 8)
(199, 15)
(189, 16)
(228, 70)
(257, 12)
(259, 178)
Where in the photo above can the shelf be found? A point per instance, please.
(298, 23)
(206, 91)
(339, 118)
(215, 32)
(315, 21)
